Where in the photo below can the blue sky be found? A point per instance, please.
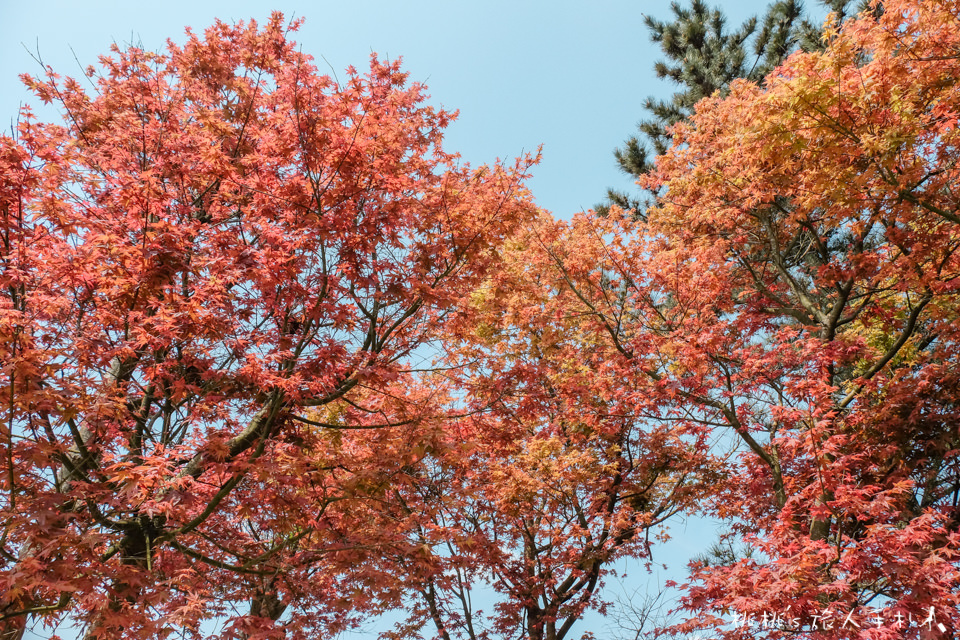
(570, 76)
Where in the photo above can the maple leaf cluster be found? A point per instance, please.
(272, 357)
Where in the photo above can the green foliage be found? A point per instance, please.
(703, 56)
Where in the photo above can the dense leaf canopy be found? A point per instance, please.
(271, 357)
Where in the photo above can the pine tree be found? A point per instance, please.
(703, 56)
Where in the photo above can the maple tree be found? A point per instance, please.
(553, 472)
(796, 288)
(530, 473)
(216, 244)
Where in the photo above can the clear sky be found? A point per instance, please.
(570, 76)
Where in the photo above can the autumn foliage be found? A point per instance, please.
(796, 287)
(215, 244)
(556, 470)
(271, 357)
